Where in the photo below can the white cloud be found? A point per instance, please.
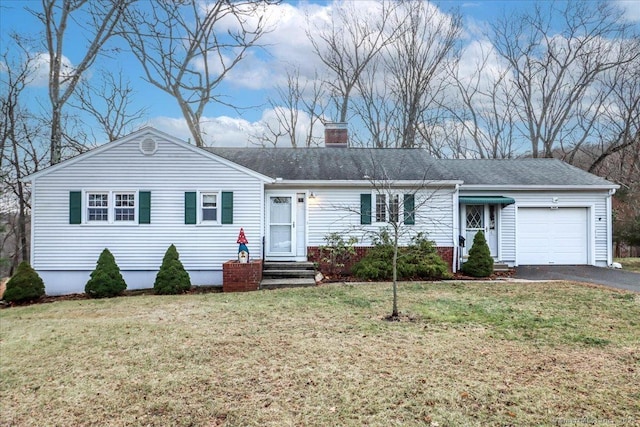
(225, 131)
(631, 9)
(40, 64)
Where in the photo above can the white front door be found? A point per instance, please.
(281, 238)
(481, 218)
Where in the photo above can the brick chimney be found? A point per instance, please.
(335, 135)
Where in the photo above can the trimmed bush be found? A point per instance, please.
(172, 278)
(479, 263)
(106, 280)
(419, 260)
(25, 285)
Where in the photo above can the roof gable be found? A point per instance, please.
(140, 135)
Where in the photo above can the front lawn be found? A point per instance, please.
(629, 264)
(471, 354)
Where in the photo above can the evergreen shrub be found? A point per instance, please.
(419, 260)
(172, 278)
(480, 262)
(106, 280)
(25, 285)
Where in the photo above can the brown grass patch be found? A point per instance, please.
(471, 354)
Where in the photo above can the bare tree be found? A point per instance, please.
(109, 101)
(97, 20)
(21, 154)
(485, 110)
(556, 73)
(415, 65)
(401, 90)
(298, 108)
(620, 117)
(188, 48)
(348, 42)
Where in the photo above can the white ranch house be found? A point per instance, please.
(139, 194)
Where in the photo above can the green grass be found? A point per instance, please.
(471, 354)
(629, 264)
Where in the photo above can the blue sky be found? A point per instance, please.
(251, 84)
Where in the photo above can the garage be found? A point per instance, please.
(552, 236)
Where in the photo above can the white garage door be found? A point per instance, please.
(552, 236)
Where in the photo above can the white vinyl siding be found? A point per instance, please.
(167, 175)
(593, 201)
(338, 210)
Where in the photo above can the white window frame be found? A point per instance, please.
(111, 207)
(399, 197)
(201, 207)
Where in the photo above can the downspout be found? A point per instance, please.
(610, 228)
(33, 223)
(456, 228)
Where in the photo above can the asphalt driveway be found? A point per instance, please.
(581, 273)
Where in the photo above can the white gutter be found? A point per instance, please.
(538, 187)
(365, 183)
(456, 227)
(610, 228)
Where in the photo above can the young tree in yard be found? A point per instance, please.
(98, 20)
(187, 48)
(400, 205)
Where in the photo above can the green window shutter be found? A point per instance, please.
(75, 207)
(365, 208)
(227, 207)
(190, 209)
(144, 207)
(409, 209)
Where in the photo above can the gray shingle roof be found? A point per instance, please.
(316, 164)
(521, 172)
(352, 164)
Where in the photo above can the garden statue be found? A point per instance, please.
(243, 251)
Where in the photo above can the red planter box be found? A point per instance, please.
(241, 277)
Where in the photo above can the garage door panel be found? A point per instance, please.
(552, 236)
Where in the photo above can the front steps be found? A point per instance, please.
(500, 267)
(278, 275)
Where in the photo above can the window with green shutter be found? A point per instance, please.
(409, 209)
(190, 207)
(365, 208)
(75, 207)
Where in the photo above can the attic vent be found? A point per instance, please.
(148, 146)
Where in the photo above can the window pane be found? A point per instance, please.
(209, 200)
(475, 216)
(381, 208)
(209, 214)
(98, 207)
(394, 208)
(125, 207)
(280, 210)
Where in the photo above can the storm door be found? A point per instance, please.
(281, 235)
